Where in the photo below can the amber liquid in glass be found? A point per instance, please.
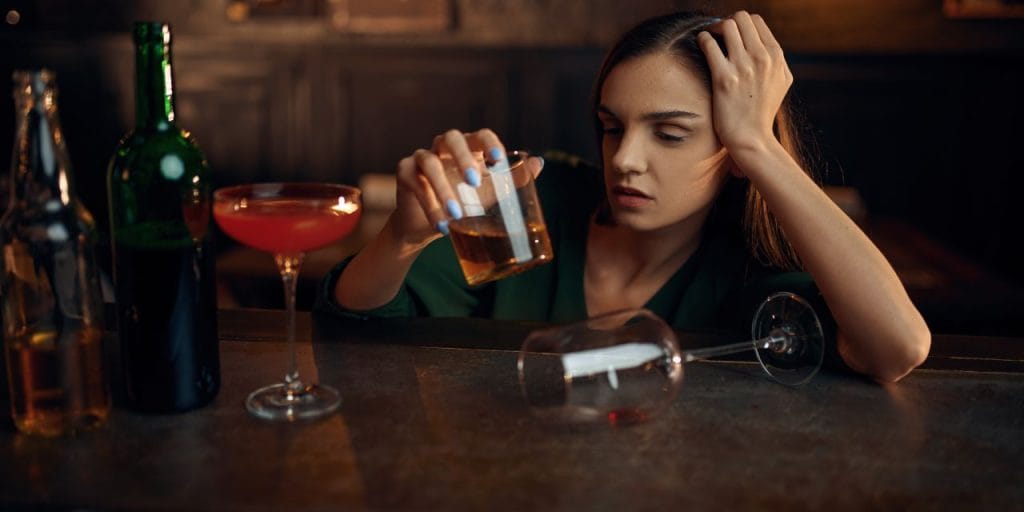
(40, 382)
(485, 252)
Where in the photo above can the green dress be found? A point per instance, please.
(719, 287)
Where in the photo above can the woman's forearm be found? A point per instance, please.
(881, 333)
(376, 273)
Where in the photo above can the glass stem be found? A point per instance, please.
(721, 350)
(770, 341)
(288, 265)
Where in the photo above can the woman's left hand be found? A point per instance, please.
(749, 85)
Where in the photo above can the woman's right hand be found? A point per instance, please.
(426, 199)
(425, 203)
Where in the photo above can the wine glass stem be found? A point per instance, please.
(770, 341)
(288, 265)
(721, 350)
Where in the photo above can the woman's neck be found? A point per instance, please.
(625, 268)
(638, 253)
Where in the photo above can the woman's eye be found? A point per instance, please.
(612, 130)
(668, 136)
(670, 133)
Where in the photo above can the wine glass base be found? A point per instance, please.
(276, 403)
(787, 314)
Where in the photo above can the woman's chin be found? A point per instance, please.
(648, 223)
(631, 220)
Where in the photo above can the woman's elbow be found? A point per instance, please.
(913, 350)
(891, 360)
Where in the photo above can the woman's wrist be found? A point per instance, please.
(758, 158)
(375, 274)
(399, 243)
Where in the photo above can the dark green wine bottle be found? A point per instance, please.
(159, 193)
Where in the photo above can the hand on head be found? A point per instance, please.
(749, 84)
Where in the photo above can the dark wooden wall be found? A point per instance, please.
(921, 113)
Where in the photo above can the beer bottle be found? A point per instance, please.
(50, 294)
(159, 195)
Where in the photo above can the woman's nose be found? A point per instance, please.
(629, 155)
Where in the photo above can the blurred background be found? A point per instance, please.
(915, 108)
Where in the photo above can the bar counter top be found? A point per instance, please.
(432, 418)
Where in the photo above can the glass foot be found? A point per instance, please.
(277, 403)
(800, 348)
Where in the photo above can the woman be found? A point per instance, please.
(703, 209)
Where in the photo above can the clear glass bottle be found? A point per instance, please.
(50, 294)
(159, 193)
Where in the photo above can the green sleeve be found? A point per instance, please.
(433, 287)
(437, 287)
(401, 305)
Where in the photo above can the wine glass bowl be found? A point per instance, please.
(621, 367)
(288, 220)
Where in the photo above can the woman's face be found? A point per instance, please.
(662, 159)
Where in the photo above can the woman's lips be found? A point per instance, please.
(628, 197)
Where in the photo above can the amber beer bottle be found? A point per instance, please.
(159, 193)
(52, 307)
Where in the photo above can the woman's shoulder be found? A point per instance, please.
(562, 167)
(569, 180)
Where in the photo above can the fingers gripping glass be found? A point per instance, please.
(502, 232)
(626, 365)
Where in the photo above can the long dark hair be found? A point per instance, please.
(676, 34)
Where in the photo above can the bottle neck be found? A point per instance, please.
(40, 170)
(154, 83)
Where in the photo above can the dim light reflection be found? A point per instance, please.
(345, 206)
(65, 188)
(166, 65)
(168, 89)
(238, 11)
(13, 17)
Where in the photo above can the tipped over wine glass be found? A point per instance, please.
(624, 366)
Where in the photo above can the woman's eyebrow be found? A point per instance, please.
(654, 116)
(668, 114)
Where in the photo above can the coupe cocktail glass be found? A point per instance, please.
(289, 220)
(624, 366)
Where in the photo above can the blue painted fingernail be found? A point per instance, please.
(496, 154)
(541, 161)
(454, 208)
(472, 177)
(442, 226)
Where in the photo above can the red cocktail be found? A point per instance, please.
(286, 226)
(288, 220)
